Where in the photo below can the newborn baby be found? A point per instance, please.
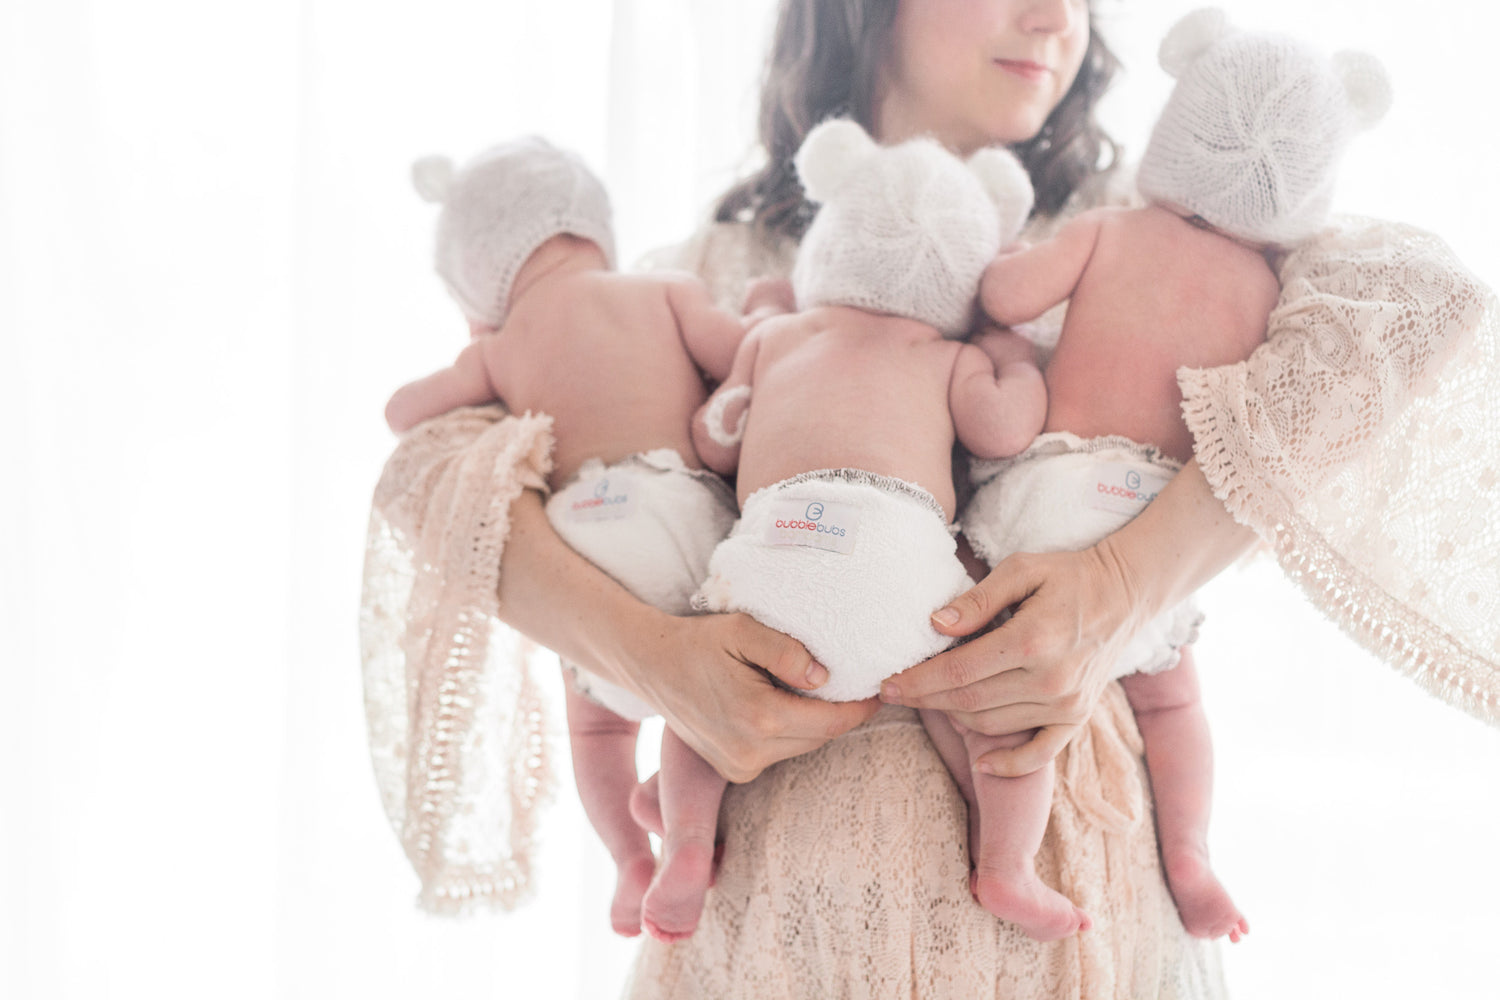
(617, 361)
(1240, 165)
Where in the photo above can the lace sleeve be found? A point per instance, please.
(1360, 441)
(456, 723)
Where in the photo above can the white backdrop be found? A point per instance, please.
(213, 271)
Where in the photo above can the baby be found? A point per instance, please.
(1240, 164)
(525, 246)
(844, 449)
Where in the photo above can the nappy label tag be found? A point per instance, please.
(813, 522)
(1123, 487)
(602, 498)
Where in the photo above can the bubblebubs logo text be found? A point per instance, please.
(809, 522)
(814, 523)
(605, 500)
(1123, 488)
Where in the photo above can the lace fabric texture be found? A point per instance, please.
(845, 875)
(845, 870)
(1360, 441)
(456, 728)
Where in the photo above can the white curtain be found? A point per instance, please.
(213, 271)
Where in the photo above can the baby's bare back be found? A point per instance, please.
(603, 354)
(842, 388)
(1158, 294)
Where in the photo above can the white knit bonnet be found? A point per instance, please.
(904, 229)
(1253, 131)
(499, 207)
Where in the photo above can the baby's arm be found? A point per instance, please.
(996, 395)
(1020, 285)
(464, 383)
(710, 334)
(729, 407)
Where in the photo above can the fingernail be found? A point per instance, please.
(890, 694)
(817, 674)
(946, 616)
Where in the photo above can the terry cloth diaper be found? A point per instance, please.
(1064, 493)
(849, 563)
(651, 523)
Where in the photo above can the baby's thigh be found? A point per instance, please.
(1173, 688)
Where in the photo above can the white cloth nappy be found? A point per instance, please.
(849, 563)
(1064, 493)
(650, 522)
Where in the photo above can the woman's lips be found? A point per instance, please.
(1032, 72)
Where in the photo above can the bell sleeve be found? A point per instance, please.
(1362, 442)
(456, 721)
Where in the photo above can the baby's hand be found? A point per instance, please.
(1004, 346)
(768, 297)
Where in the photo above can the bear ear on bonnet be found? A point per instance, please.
(829, 155)
(1008, 186)
(1190, 37)
(1366, 85)
(432, 176)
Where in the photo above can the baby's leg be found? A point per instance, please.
(690, 793)
(604, 768)
(1011, 816)
(1179, 758)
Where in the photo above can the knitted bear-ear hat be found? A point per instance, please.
(906, 229)
(1251, 136)
(498, 208)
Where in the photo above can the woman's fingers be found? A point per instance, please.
(777, 654)
(743, 723)
(1018, 717)
(963, 679)
(1034, 754)
(810, 723)
(1009, 583)
(774, 725)
(1043, 669)
(934, 683)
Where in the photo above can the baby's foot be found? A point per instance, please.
(630, 889)
(1202, 902)
(674, 902)
(1020, 897)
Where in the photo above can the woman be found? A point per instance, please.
(846, 864)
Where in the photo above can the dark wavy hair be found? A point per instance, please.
(825, 61)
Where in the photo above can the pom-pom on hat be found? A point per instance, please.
(498, 208)
(1251, 137)
(906, 229)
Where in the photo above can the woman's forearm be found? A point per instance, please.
(1046, 666)
(1183, 539)
(708, 675)
(552, 595)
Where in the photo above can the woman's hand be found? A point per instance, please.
(709, 678)
(707, 675)
(1044, 668)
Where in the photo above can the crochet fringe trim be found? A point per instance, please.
(1409, 642)
(452, 679)
(450, 889)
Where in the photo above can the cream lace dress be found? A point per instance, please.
(1358, 442)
